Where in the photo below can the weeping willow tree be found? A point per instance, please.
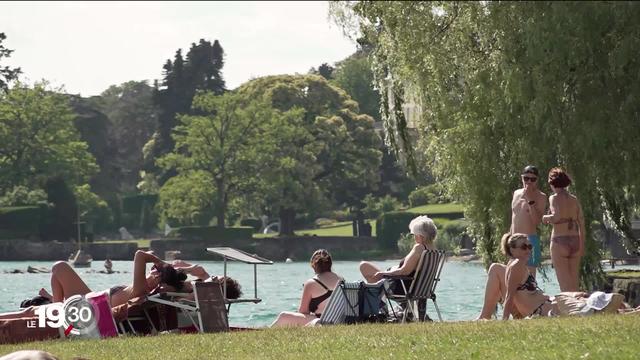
(504, 84)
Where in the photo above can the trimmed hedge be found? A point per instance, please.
(212, 233)
(391, 225)
(254, 223)
(21, 221)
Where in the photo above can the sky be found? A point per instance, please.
(88, 46)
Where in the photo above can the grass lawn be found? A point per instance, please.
(344, 228)
(596, 337)
(142, 243)
(436, 209)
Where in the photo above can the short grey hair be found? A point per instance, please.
(423, 225)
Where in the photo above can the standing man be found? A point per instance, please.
(527, 207)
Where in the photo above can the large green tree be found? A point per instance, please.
(503, 84)
(214, 156)
(201, 70)
(326, 151)
(39, 139)
(133, 118)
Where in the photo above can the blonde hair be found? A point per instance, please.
(508, 240)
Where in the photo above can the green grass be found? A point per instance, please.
(596, 337)
(344, 228)
(436, 209)
(627, 274)
(142, 243)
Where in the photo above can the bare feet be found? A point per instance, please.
(44, 293)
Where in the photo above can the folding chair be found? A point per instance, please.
(207, 311)
(353, 302)
(423, 284)
(343, 302)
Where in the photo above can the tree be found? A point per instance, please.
(354, 75)
(201, 71)
(7, 74)
(501, 85)
(133, 118)
(39, 140)
(214, 155)
(323, 150)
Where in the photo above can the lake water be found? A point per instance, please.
(460, 291)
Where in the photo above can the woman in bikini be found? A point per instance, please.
(567, 236)
(514, 284)
(65, 283)
(315, 293)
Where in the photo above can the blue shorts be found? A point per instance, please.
(536, 252)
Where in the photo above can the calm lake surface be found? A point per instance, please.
(460, 291)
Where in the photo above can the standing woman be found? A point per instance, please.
(315, 293)
(567, 236)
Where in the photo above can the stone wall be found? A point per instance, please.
(298, 248)
(23, 250)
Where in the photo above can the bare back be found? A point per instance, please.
(567, 214)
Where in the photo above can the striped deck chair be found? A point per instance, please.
(423, 284)
(343, 304)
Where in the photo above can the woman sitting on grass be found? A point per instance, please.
(315, 293)
(522, 297)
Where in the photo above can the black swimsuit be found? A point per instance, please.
(316, 301)
(532, 285)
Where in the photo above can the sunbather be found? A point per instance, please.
(315, 293)
(522, 297)
(234, 289)
(65, 282)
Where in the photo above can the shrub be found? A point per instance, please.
(60, 222)
(390, 226)
(140, 209)
(22, 221)
(342, 215)
(256, 224)
(212, 233)
(405, 243)
(430, 194)
(451, 235)
(373, 206)
(22, 196)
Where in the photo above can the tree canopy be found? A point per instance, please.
(182, 78)
(39, 139)
(327, 151)
(500, 85)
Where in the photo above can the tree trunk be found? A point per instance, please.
(221, 203)
(287, 216)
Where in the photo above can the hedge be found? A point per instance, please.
(391, 225)
(20, 221)
(254, 223)
(212, 233)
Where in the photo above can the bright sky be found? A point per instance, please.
(87, 46)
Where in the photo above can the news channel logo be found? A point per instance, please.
(76, 316)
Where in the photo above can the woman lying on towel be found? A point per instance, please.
(522, 296)
(315, 293)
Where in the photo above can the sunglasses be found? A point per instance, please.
(523, 247)
(529, 179)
